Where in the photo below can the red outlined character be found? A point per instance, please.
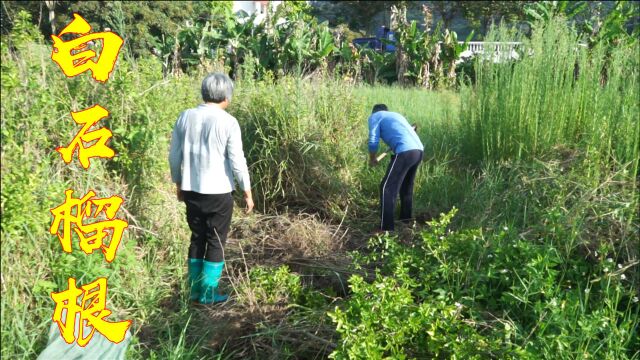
(91, 311)
(71, 214)
(87, 118)
(74, 59)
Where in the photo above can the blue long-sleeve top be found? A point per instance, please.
(394, 130)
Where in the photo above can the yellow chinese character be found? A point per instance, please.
(88, 118)
(92, 236)
(91, 312)
(74, 60)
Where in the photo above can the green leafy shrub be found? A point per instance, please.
(273, 286)
(468, 294)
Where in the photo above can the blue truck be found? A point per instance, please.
(377, 43)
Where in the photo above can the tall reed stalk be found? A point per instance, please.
(558, 93)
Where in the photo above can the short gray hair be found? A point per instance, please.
(216, 87)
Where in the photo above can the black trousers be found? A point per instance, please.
(209, 218)
(400, 177)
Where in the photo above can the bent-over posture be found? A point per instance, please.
(407, 149)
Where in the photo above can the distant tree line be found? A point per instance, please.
(309, 40)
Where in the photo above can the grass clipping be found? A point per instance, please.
(284, 237)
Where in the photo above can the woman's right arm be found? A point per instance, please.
(239, 164)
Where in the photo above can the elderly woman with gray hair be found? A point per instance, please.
(205, 157)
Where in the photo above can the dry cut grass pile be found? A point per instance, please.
(249, 326)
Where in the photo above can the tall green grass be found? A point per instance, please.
(36, 103)
(545, 171)
(559, 94)
(306, 143)
(560, 189)
(302, 142)
(571, 109)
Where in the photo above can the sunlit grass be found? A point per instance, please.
(530, 148)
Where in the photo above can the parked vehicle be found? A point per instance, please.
(383, 41)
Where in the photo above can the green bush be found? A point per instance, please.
(273, 286)
(474, 294)
(37, 99)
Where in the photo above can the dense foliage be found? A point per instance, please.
(198, 35)
(472, 295)
(547, 274)
(540, 157)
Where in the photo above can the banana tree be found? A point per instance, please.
(612, 28)
(403, 35)
(163, 48)
(233, 35)
(430, 67)
(451, 51)
(409, 39)
(422, 51)
(542, 12)
(197, 42)
(261, 50)
(324, 46)
(349, 59)
(378, 64)
(188, 37)
(297, 46)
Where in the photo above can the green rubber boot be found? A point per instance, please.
(195, 278)
(211, 273)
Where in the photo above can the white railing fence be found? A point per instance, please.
(496, 51)
(482, 46)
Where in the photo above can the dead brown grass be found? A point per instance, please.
(248, 328)
(282, 237)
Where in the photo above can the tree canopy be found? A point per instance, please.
(139, 22)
